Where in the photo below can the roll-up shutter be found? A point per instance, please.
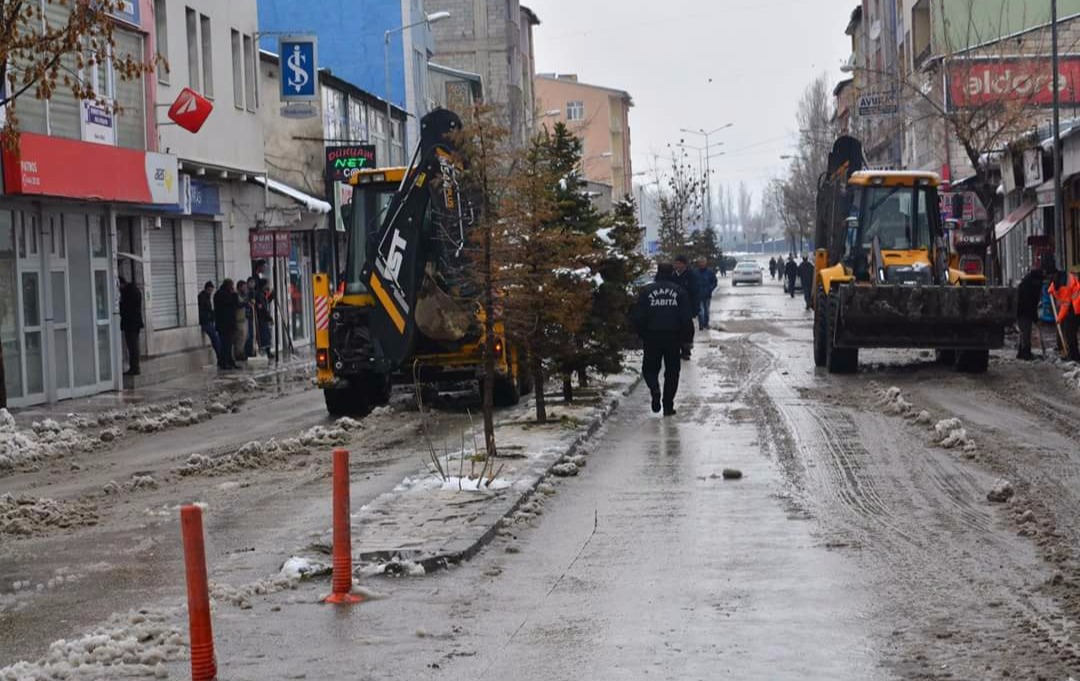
(165, 303)
(206, 253)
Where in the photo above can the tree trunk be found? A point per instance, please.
(489, 349)
(583, 378)
(536, 368)
(567, 387)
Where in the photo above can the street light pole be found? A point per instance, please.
(1059, 198)
(428, 19)
(708, 166)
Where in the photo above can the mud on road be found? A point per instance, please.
(969, 589)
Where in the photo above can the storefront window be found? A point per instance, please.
(9, 306)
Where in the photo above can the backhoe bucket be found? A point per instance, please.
(939, 317)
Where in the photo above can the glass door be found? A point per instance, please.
(60, 300)
(31, 304)
(103, 304)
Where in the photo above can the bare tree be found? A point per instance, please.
(680, 205)
(795, 196)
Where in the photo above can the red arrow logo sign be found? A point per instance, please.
(190, 110)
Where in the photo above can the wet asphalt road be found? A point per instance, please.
(647, 565)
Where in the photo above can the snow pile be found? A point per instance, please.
(1072, 377)
(25, 515)
(348, 424)
(136, 483)
(240, 596)
(322, 436)
(951, 434)
(564, 470)
(250, 456)
(894, 403)
(298, 568)
(136, 644)
(453, 483)
(1001, 492)
(15, 447)
(180, 416)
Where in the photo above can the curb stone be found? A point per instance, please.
(459, 551)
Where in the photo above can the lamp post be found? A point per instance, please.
(708, 170)
(429, 19)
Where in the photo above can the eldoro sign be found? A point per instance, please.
(974, 83)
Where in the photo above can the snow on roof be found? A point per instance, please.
(312, 204)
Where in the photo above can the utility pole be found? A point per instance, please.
(1059, 198)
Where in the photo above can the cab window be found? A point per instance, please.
(897, 216)
(368, 208)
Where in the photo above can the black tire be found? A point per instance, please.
(973, 361)
(376, 388)
(945, 357)
(506, 392)
(345, 402)
(821, 328)
(838, 360)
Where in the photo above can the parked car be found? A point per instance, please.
(747, 272)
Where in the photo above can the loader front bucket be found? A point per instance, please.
(939, 317)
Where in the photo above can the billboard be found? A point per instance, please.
(971, 83)
(342, 162)
(299, 68)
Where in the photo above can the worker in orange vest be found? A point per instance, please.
(1065, 291)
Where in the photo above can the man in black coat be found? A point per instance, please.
(806, 278)
(1028, 294)
(663, 318)
(226, 303)
(686, 279)
(206, 318)
(791, 272)
(131, 322)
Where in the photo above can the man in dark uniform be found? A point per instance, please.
(686, 279)
(131, 322)
(663, 318)
(1028, 295)
(791, 273)
(806, 278)
(226, 303)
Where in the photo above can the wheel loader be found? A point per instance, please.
(884, 275)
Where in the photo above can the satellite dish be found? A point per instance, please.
(298, 110)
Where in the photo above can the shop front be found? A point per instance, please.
(59, 320)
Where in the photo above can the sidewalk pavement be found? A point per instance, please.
(192, 385)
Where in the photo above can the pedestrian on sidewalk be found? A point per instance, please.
(264, 299)
(1028, 295)
(1065, 292)
(772, 268)
(707, 280)
(806, 278)
(225, 306)
(791, 272)
(249, 314)
(206, 319)
(131, 322)
(688, 282)
(239, 351)
(663, 318)
(723, 265)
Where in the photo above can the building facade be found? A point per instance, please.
(494, 39)
(600, 116)
(352, 46)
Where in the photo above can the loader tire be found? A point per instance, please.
(345, 402)
(838, 360)
(821, 328)
(972, 361)
(377, 389)
(506, 392)
(945, 357)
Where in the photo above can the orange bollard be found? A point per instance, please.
(341, 591)
(203, 660)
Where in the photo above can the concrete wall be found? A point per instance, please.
(958, 24)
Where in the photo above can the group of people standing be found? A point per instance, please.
(792, 272)
(664, 319)
(237, 319)
(1059, 292)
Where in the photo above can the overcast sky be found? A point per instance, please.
(701, 64)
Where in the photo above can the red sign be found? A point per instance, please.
(53, 166)
(973, 82)
(269, 245)
(190, 110)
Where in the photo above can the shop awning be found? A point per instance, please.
(1013, 219)
(310, 203)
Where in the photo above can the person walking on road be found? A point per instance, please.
(722, 265)
(663, 318)
(1028, 295)
(226, 304)
(688, 281)
(1065, 292)
(791, 271)
(772, 268)
(707, 281)
(206, 319)
(806, 278)
(131, 322)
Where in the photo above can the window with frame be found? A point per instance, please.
(161, 39)
(250, 57)
(237, 70)
(193, 49)
(207, 38)
(575, 111)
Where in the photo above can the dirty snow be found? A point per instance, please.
(297, 567)
(24, 516)
(260, 454)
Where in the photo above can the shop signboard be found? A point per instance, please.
(299, 68)
(269, 244)
(98, 123)
(342, 162)
(972, 83)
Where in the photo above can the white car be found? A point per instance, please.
(747, 272)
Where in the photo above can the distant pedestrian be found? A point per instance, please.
(225, 306)
(206, 319)
(791, 273)
(663, 318)
(806, 278)
(249, 313)
(239, 351)
(131, 322)
(772, 268)
(723, 266)
(1028, 295)
(264, 300)
(687, 281)
(707, 282)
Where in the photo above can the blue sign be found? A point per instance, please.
(205, 198)
(299, 68)
(127, 10)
